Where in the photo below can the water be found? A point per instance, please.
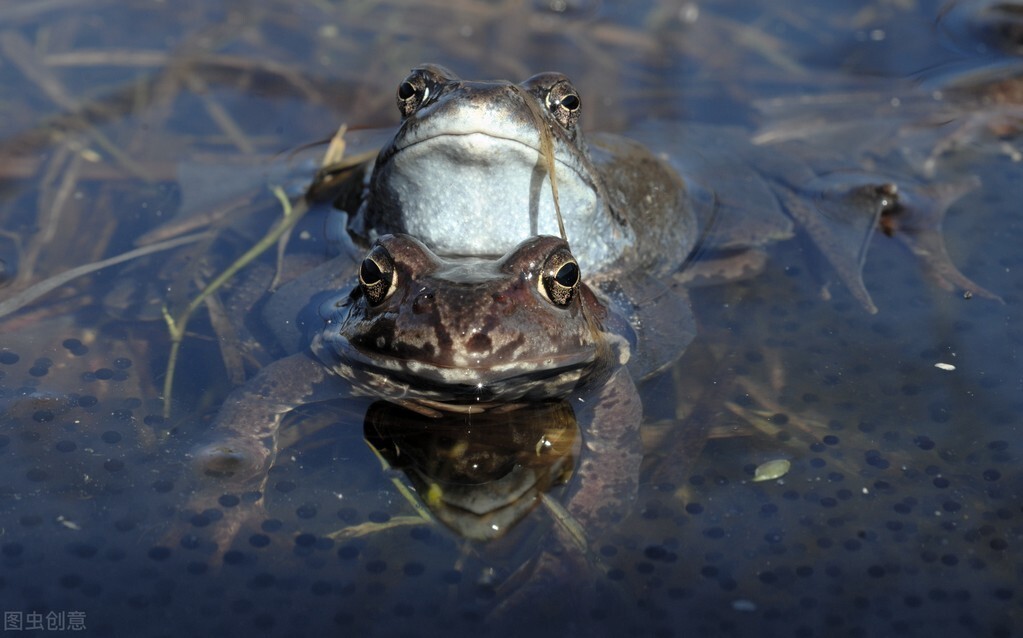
(900, 512)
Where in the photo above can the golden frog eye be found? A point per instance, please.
(559, 278)
(412, 92)
(564, 103)
(377, 276)
(423, 84)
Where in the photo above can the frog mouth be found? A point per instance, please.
(473, 147)
(393, 377)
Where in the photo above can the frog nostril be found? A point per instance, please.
(479, 342)
(423, 303)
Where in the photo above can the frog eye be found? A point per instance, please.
(422, 84)
(412, 93)
(564, 103)
(559, 278)
(377, 276)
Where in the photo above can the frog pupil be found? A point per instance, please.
(570, 102)
(370, 272)
(568, 274)
(406, 90)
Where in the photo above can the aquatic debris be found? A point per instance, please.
(771, 470)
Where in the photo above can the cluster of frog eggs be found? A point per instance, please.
(918, 540)
(94, 518)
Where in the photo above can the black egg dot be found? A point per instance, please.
(42, 416)
(87, 401)
(379, 517)
(8, 358)
(714, 532)
(111, 437)
(420, 533)
(998, 544)
(306, 511)
(259, 540)
(234, 557)
(71, 344)
(65, 446)
(38, 371)
(347, 552)
(122, 363)
(305, 540)
(998, 446)
(228, 500)
(950, 560)
(876, 571)
(830, 439)
(376, 566)
(940, 482)
(104, 374)
(413, 569)
(694, 508)
(991, 475)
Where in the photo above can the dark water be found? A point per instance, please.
(901, 513)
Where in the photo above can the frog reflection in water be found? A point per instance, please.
(456, 335)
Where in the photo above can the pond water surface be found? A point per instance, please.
(901, 509)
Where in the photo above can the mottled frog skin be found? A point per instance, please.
(454, 335)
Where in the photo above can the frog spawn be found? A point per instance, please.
(875, 530)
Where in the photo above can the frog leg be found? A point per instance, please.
(608, 475)
(247, 425)
(245, 445)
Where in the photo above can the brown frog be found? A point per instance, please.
(455, 335)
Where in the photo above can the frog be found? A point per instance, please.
(442, 335)
(467, 150)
